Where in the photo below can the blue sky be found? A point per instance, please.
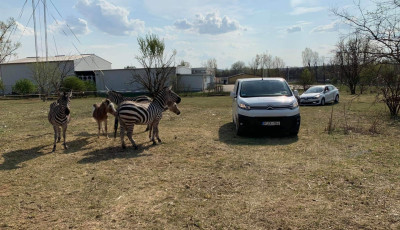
(198, 30)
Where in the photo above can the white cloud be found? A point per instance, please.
(305, 10)
(294, 29)
(108, 17)
(211, 23)
(25, 31)
(77, 25)
(332, 27)
(295, 3)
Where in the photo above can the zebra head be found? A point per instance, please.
(64, 101)
(115, 97)
(170, 96)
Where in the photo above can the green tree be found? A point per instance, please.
(73, 83)
(24, 86)
(306, 78)
(158, 66)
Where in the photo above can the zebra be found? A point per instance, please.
(59, 116)
(131, 113)
(118, 98)
(153, 129)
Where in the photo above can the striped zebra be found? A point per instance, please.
(117, 98)
(131, 113)
(59, 116)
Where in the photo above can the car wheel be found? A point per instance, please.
(337, 98)
(322, 102)
(239, 129)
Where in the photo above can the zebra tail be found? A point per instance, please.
(116, 125)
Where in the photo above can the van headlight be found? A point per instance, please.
(244, 106)
(294, 105)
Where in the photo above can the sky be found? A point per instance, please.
(227, 30)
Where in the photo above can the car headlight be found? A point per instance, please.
(317, 96)
(244, 106)
(294, 105)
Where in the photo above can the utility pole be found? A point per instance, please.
(34, 29)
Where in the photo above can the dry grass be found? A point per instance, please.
(202, 176)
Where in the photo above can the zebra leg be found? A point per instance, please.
(64, 135)
(55, 137)
(156, 131)
(122, 134)
(59, 134)
(129, 134)
(148, 128)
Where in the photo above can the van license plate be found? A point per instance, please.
(271, 123)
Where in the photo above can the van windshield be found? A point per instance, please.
(264, 88)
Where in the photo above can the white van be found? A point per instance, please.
(265, 103)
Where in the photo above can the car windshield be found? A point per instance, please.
(316, 89)
(264, 88)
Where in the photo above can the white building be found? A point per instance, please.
(78, 65)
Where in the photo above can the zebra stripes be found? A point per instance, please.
(118, 98)
(131, 113)
(59, 116)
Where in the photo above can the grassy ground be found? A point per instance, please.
(202, 176)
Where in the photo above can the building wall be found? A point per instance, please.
(11, 73)
(120, 79)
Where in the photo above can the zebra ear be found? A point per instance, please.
(70, 94)
(170, 87)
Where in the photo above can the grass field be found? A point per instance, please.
(202, 176)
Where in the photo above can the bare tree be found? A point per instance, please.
(310, 59)
(277, 65)
(238, 67)
(211, 66)
(380, 25)
(255, 63)
(184, 63)
(390, 87)
(157, 65)
(266, 63)
(7, 47)
(352, 57)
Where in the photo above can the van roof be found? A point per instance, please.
(261, 79)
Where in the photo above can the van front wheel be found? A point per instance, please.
(239, 129)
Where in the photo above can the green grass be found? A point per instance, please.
(202, 176)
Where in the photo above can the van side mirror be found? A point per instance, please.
(296, 93)
(233, 94)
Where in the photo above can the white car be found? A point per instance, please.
(266, 103)
(319, 95)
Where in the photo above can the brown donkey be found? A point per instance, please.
(100, 114)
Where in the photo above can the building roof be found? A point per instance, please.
(50, 59)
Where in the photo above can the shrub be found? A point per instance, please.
(1, 85)
(74, 84)
(90, 86)
(24, 86)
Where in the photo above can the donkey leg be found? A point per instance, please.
(105, 127)
(99, 127)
